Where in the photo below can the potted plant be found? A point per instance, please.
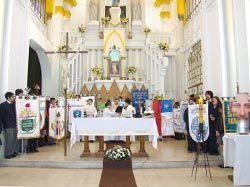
(131, 70)
(147, 30)
(106, 20)
(164, 47)
(96, 71)
(117, 157)
(124, 21)
(81, 29)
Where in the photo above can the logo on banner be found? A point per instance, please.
(166, 106)
(195, 128)
(77, 113)
(28, 125)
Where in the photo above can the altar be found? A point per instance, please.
(114, 127)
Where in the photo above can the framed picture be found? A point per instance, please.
(114, 69)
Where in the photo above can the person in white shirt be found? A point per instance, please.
(108, 111)
(128, 111)
(91, 109)
(91, 112)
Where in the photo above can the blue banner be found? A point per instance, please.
(139, 96)
(230, 118)
(166, 106)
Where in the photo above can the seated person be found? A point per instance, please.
(128, 110)
(108, 111)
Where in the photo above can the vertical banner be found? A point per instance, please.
(75, 110)
(193, 117)
(157, 113)
(167, 118)
(42, 104)
(56, 123)
(230, 118)
(178, 125)
(138, 96)
(28, 118)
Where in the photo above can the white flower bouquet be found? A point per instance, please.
(118, 153)
(82, 29)
(124, 21)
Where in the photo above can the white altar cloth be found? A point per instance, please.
(114, 127)
(236, 154)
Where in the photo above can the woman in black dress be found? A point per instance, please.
(214, 126)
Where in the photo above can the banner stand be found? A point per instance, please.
(201, 143)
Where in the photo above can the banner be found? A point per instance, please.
(183, 107)
(230, 118)
(166, 106)
(167, 124)
(138, 96)
(178, 125)
(42, 106)
(28, 118)
(193, 119)
(56, 123)
(76, 109)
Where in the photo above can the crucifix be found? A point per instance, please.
(66, 52)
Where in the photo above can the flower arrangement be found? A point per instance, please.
(62, 47)
(131, 69)
(164, 47)
(118, 153)
(124, 21)
(147, 30)
(96, 70)
(81, 29)
(106, 20)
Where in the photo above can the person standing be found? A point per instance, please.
(214, 126)
(9, 125)
(128, 111)
(91, 112)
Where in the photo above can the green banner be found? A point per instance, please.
(27, 125)
(230, 119)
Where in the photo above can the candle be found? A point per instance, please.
(200, 102)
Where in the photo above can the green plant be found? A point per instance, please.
(106, 20)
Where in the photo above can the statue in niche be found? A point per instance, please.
(136, 10)
(93, 10)
(115, 3)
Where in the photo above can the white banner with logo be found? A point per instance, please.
(28, 118)
(194, 126)
(56, 123)
(183, 107)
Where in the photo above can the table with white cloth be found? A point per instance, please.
(114, 127)
(236, 152)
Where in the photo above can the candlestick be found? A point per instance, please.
(200, 102)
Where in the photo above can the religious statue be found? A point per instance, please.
(93, 10)
(115, 3)
(136, 10)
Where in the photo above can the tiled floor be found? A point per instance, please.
(168, 150)
(91, 178)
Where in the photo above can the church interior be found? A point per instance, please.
(165, 83)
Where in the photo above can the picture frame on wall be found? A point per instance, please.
(114, 69)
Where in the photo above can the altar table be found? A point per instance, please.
(114, 127)
(236, 154)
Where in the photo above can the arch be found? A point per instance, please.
(114, 32)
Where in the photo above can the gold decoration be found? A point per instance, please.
(94, 91)
(114, 91)
(124, 21)
(125, 92)
(147, 30)
(164, 47)
(84, 91)
(103, 93)
(82, 29)
(106, 20)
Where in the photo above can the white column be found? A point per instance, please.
(242, 56)
(88, 64)
(137, 63)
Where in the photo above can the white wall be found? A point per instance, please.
(248, 31)
(2, 12)
(78, 15)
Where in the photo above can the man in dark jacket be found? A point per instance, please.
(8, 124)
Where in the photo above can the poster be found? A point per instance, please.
(178, 125)
(56, 123)
(28, 118)
(76, 109)
(138, 96)
(42, 105)
(230, 118)
(193, 117)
